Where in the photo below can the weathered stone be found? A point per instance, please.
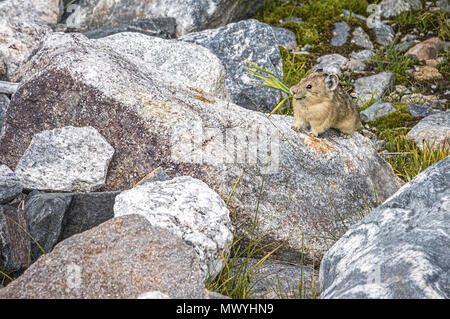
(405, 45)
(363, 55)
(401, 249)
(188, 208)
(417, 98)
(285, 38)
(122, 258)
(361, 39)
(392, 8)
(157, 27)
(47, 11)
(443, 5)
(44, 214)
(157, 175)
(191, 64)
(374, 86)
(190, 15)
(355, 65)
(10, 185)
(331, 63)
(433, 129)
(384, 34)
(65, 159)
(426, 50)
(420, 110)
(14, 241)
(74, 81)
(248, 39)
(4, 102)
(376, 110)
(426, 73)
(340, 34)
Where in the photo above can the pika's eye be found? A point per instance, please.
(309, 86)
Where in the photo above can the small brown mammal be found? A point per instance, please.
(321, 103)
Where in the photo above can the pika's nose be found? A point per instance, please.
(293, 90)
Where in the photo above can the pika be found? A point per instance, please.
(321, 103)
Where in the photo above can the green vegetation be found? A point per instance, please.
(424, 21)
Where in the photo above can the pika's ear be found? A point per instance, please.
(331, 81)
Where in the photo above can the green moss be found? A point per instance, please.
(400, 118)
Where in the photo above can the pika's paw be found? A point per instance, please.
(346, 135)
(296, 128)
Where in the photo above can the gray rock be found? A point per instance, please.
(361, 38)
(65, 159)
(392, 8)
(190, 15)
(120, 259)
(248, 39)
(188, 208)
(279, 280)
(162, 27)
(14, 241)
(405, 45)
(433, 129)
(152, 124)
(417, 110)
(44, 214)
(4, 102)
(10, 185)
(356, 65)
(87, 211)
(331, 63)
(377, 110)
(443, 4)
(384, 34)
(157, 175)
(374, 86)
(38, 10)
(186, 64)
(285, 38)
(363, 55)
(400, 250)
(340, 34)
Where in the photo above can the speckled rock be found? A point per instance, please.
(420, 110)
(155, 27)
(361, 39)
(47, 11)
(285, 38)
(427, 73)
(331, 63)
(122, 258)
(4, 102)
(363, 55)
(14, 242)
(340, 34)
(190, 15)
(376, 110)
(186, 64)
(188, 208)
(400, 250)
(434, 128)
(392, 8)
(10, 185)
(74, 81)
(373, 86)
(248, 39)
(425, 50)
(443, 5)
(65, 159)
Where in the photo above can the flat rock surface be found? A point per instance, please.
(10, 185)
(433, 129)
(374, 86)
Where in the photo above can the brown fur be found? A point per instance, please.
(324, 105)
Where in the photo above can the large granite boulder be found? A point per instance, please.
(432, 130)
(188, 208)
(121, 258)
(374, 86)
(314, 187)
(190, 15)
(248, 39)
(10, 185)
(401, 249)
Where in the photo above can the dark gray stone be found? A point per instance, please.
(285, 38)
(14, 241)
(245, 39)
(4, 102)
(10, 185)
(161, 27)
(87, 211)
(421, 110)
(44, 214)
(340, 34)
(401, 249)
